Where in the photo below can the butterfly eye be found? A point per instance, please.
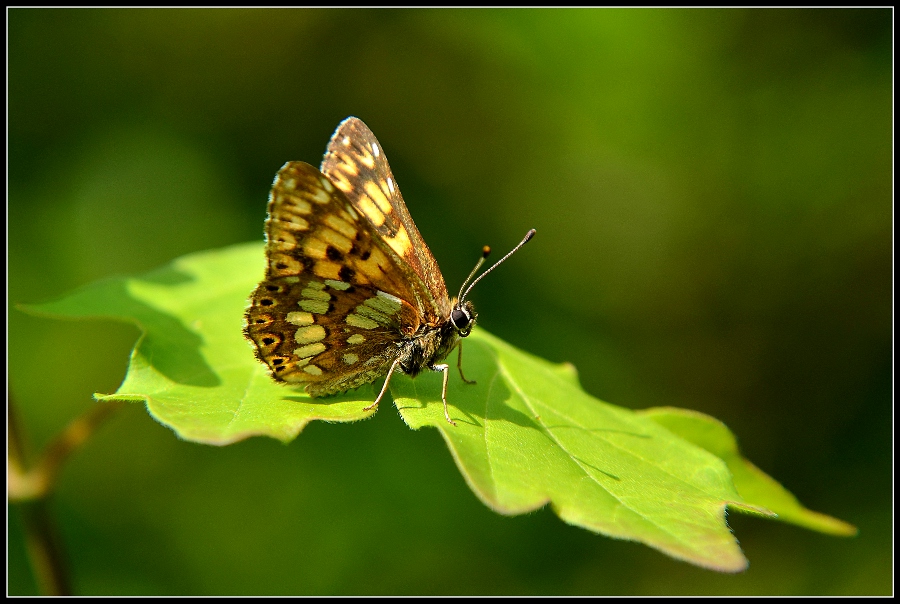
(460, 318)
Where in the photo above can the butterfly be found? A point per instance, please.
(351, 292)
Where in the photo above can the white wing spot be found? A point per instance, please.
(318, 307)
(378, 196)
(375, 150)
(384, 303)
(299, 318)
(294, 222)
(321, 196)
(309, 334)
(392, 298)
(391, 184)
(371, 211)
(361, 322)
(316, 294)
(310, 350)
(370, 313)
(294, 204)
(341, 285)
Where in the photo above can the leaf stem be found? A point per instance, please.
(44, 548)
(30, 488)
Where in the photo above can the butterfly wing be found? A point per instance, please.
(356, 163)
(335, 302)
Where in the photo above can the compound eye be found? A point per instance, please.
(460, 319)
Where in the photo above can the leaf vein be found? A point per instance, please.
(574, 459)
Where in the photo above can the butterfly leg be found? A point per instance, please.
(387, 380)
(459, 365)
(446, 369)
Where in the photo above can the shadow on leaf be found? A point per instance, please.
(167, 344)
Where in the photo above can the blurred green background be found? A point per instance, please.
(712, 191)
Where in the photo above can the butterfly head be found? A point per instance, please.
(463, 317)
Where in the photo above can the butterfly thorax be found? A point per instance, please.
(432, 343)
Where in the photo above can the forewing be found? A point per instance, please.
(356, 163)
(335, 302)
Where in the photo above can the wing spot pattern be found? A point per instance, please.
(310, 350)
(310, 334)
(299, 318)
(371, 211)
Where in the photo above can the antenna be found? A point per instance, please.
(485, 251)
(484, 256)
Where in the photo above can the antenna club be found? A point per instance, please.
(485, 251)
(530, 235)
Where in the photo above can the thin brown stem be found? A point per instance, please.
(29, 488)
(38, 481)
(45, 552)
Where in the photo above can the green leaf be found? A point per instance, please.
(192, 365)
(751, 482)
(526, 433)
